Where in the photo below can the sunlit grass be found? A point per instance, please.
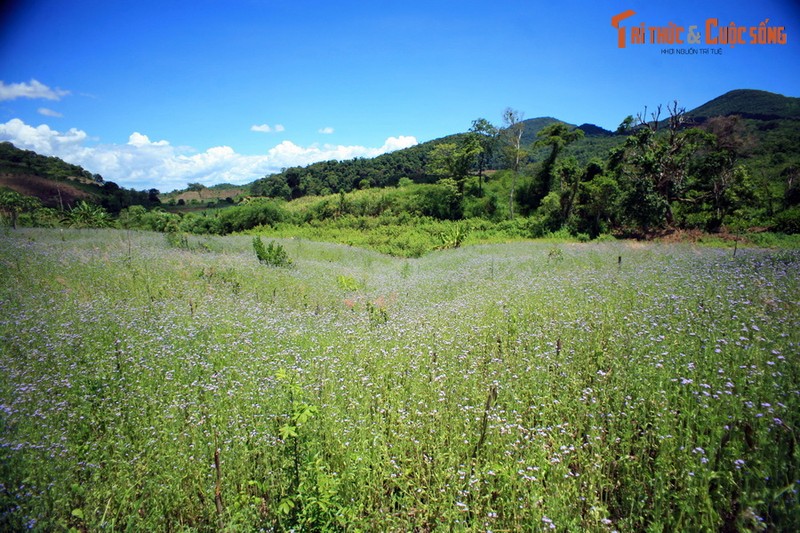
(522, 386)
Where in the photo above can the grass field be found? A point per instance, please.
(154, 385)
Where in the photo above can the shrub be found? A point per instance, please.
(177, 240)
(272, 254)
(454, 236)
(788, 221)
(250, 215)
(86, 215)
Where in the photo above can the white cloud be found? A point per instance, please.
(143, 164)
(41, 139)
(33, 89)
(49, 112)
(397, 143)
(327, 130)
(139, 140)
(266, 128)
(288, 154)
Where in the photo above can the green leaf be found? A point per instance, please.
(286, 506)
(288, 431)
(304, 413)
(77, 513)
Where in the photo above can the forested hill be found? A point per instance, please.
(533, 126)
(773, 120)
(59, 184)
(748, 103)
(770, 152)
(328, 177)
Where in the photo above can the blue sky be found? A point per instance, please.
(159, 94)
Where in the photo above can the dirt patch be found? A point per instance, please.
(206, 195)
(51, 193)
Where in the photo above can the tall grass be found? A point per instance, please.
(149, 387)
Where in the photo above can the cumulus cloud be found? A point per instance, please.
(143, 164)
(266, 128)
(288, 154)
(41, 139)
(49, 112)
(397, 143)
(139, 140)
(33, 89)
(327, 130)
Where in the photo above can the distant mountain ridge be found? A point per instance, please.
(533, 126)
(749, 103)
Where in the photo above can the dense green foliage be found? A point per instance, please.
(600, 387)
(13, 159)
(330, 177)
(273, 254)
(12, 204)
(683, 171)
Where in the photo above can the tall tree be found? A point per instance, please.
(554, 136)
(716, 185)
(655, 163)
(487, 136)
(512, 136)
(597, 202)
(454, 160)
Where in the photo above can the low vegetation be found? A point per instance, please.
(153, 385)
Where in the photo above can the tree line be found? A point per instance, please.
(662, 171)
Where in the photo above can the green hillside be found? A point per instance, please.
(532, 126)
(58, 184)
(386, 170)
(749, 103)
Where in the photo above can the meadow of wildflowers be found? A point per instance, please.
(525, 386)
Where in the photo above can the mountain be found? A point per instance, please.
(596, 141)
(533, 126)
(751, 104)
(592, 130)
